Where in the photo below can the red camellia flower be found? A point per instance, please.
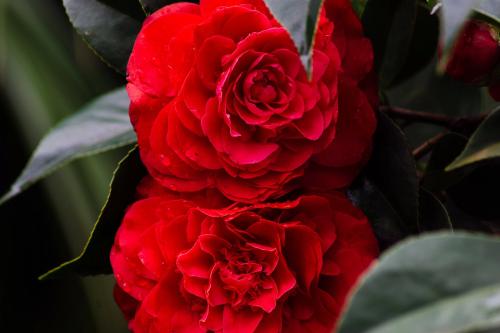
(271, 267)
(219, 99)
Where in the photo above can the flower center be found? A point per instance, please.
(263, 88)
(244, 275)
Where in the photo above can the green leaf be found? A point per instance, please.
(454, 14)
(423, 44)
(300, 18)
(484, 144)
(109, 32)
(387, 224)
(444, 152)
(359, 6)
(490, 10)
(390, 25)
(436, 283)
(433, 214)
(392, 169)
(100, 126)
(128, 7)
(150, 6)
(94, 258)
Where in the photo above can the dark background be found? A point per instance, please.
(47, 73)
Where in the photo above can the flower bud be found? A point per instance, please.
(476, 53)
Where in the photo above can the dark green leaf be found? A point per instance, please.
(388, 226)
(423, 43)
(108, 31)
(94, 258)
(300, 18)
(444, 152)
(437, 283)
(128, 7)
(390, 25)
(490, 9)
(484, 144)
(392, 169)
(433, 214)
(100, 126)
(430, 92)
(359, 6)
(454, 14)
(151, 6)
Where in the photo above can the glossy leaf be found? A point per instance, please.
(490, 9)
(387, 224)
(438, 94)
(94, 258)
(300, 18)
(127, 7)
(423, 44)
(151, 6)
(437, 283)
(108, 31)
(392, 169)
(483, 145)
(433, 214)
(444, 152)
(100, 126)
(390, 25)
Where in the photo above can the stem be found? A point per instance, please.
(458, 124)
(427, 146)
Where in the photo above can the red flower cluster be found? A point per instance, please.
(241, 227)
(268, 267)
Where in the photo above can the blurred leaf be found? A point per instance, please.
(484, 144)
(150, 6)
(392, 169)
(423, 44)
(430, 92)
(437, 283)
(433, 214)
(454, 14)
(388, 226)
(100, 126)
(490, 9)
(390, 25)
(94, 258)
(300, 18)
(108, 31)
(359, 6)
(444, 152)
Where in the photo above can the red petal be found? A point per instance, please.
(209, 61)
(304, 254)
(243, 321)
(311, 126)
(195, 262)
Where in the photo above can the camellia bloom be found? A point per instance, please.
(271, 267)
(476, 53)
(219, 99)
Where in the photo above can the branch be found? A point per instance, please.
(427, 146)
(457, 124)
